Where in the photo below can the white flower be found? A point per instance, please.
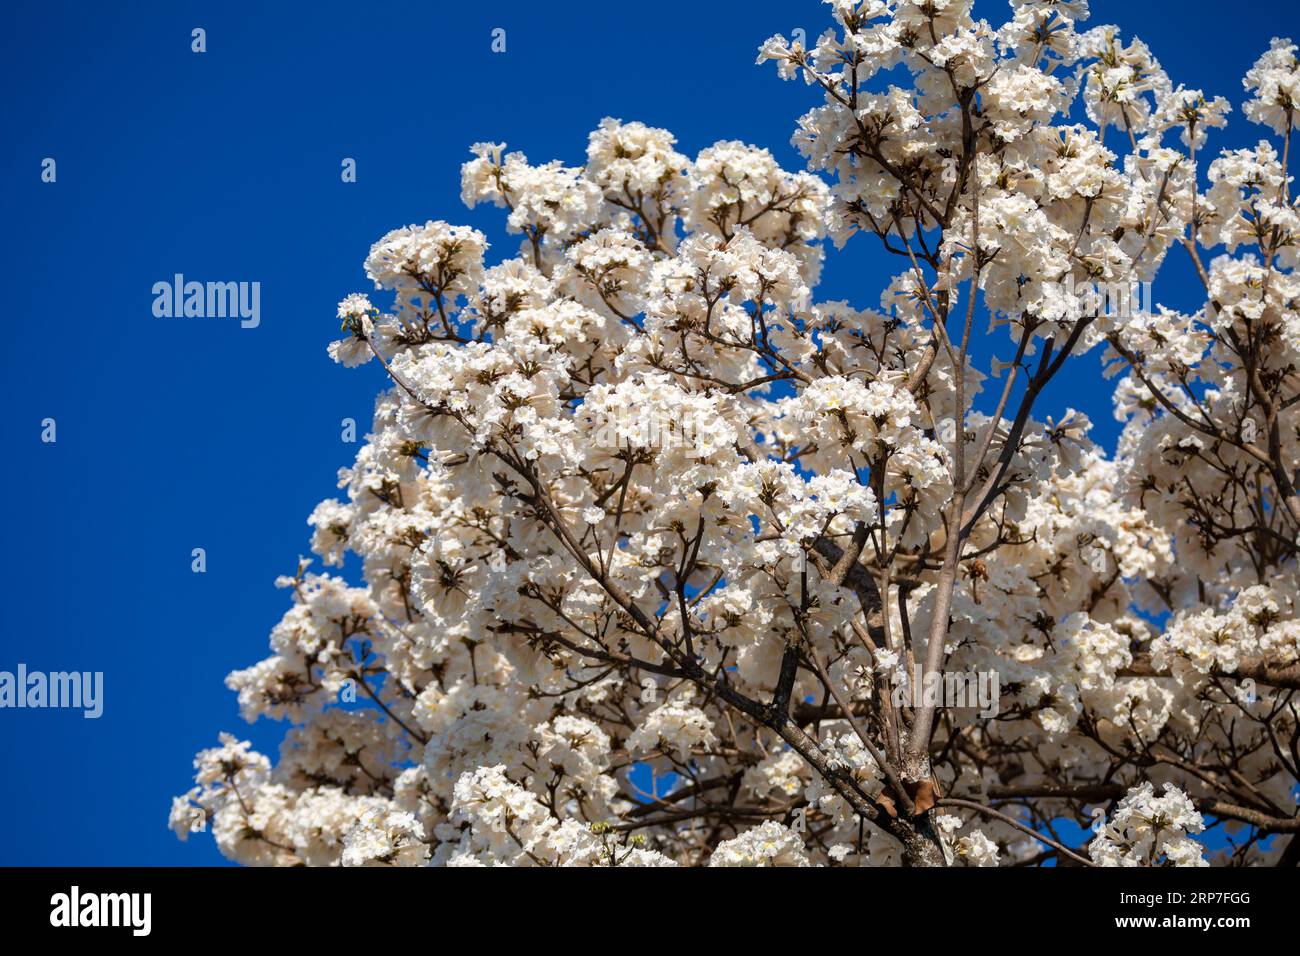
(1147, 830)
(769, 844)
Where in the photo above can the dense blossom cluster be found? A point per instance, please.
(579, 643)
(1148, 830)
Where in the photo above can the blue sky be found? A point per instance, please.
(175, 434)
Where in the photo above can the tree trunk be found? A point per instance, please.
(921, 843)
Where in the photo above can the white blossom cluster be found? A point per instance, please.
(1147, 830)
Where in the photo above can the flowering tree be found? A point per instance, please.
(636, 506)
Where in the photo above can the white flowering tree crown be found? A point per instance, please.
(665, 561)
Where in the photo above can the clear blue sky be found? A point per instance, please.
(177, 434)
